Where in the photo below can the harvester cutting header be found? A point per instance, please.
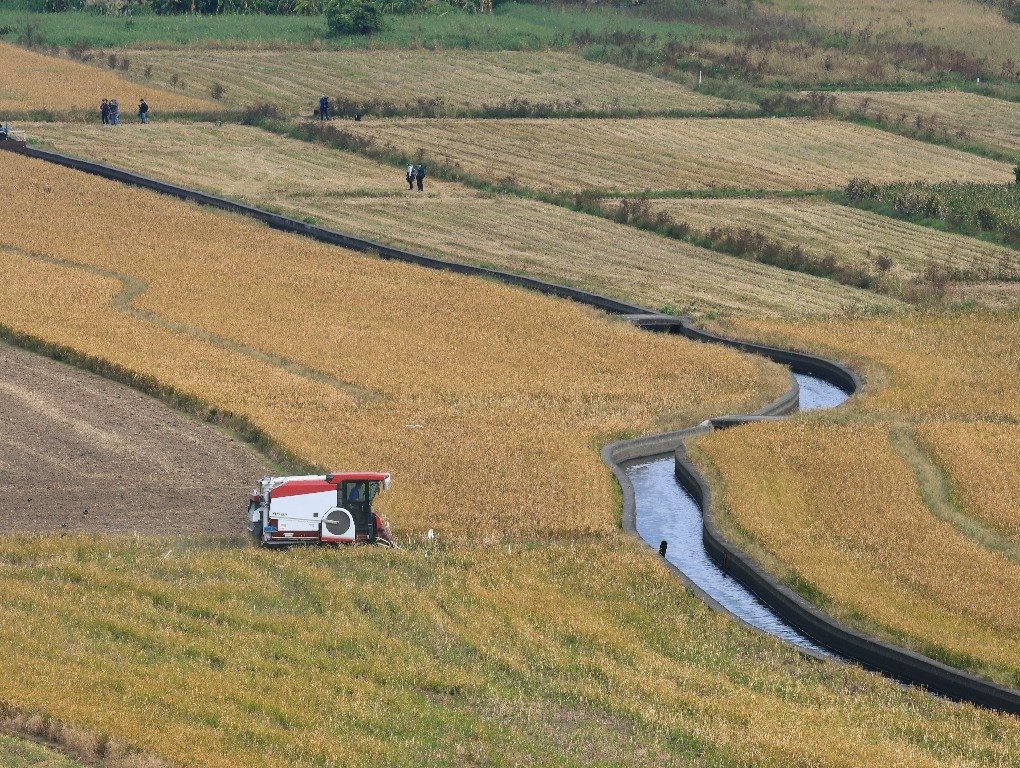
(318, 509)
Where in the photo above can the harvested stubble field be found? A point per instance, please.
(994, 123)
(346, 192)
(470, 392)
(853, 237)
(461, 387)
(33, 81)
(975, 28)
(464, 81)
(780, 154)
(909, 499)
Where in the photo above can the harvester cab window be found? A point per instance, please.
(354, 498)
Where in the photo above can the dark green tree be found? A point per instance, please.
(353, 17)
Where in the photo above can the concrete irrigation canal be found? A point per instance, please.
(664, 497)
(665, 511)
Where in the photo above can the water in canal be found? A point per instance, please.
(665, 511)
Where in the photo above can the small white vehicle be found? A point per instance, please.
(318, 509)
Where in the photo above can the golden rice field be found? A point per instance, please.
(950, 365)
(463, 80)
(487, 403)
(975, 28)
(696, 153)
(352, 194)
(844, 515)
(463, 388)
(34, 81)
(967, 116)
(853, 237)
(222, 656)
(981, 459)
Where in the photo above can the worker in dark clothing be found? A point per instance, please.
(419, 175)
(104, 112)
(143, 112)
(324, 108)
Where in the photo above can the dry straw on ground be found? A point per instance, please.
(486, 402)
(352, 194)
(853, 237)
(978, 29)
(954, 114)
(33, 81)
(696, 153)
(462, 80)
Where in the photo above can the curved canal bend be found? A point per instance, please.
(664, 511)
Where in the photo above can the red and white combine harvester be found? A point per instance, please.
(318, 509)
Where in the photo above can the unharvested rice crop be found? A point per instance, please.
(951, 365)
(966, 116)
(485, 401)
(462, 80)
(981, 458)
(660, 154)
(842, 513)
(34, 81)
(359, 196)
(853, 237)
(573, 653)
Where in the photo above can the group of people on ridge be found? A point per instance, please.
(415, 173)
(109, 111)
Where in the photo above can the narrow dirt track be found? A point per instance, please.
(81, 453)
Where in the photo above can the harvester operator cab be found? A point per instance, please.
(356, 497)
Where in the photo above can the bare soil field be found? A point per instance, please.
(994, 123)
(355, 195)
(852, 236)
(659, 154)
(462, 80)
(81, 453)
(34, 81)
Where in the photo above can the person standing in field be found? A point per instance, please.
(324, 108)
(104, 111)
(419, 174)
(410, 177)
(114, 112)
(143, 112)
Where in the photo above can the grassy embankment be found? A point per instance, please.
(484, 647)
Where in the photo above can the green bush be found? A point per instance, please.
(353, 17)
